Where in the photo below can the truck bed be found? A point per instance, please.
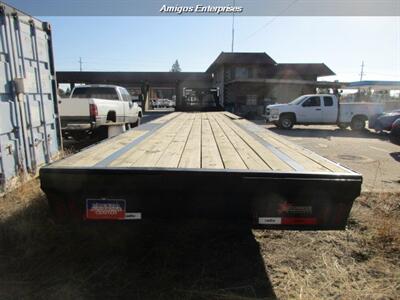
(208, 165)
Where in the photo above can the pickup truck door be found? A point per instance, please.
(310, 110)
(128, 106)
(329, 109)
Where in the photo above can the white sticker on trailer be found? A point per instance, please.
(133, 216)
(266, 220)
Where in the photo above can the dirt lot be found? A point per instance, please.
(40, 259)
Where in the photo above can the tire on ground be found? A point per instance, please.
(395, 139)
(101, 133)
(137, 123)
(277, 124)
(358, 123)
(286, 121)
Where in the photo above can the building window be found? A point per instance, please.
(251, 100)
(242, 72)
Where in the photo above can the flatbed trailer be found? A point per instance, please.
(212, 165)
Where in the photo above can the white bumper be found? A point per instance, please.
(272, 115)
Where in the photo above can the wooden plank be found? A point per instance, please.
(202, 140)
(147, 146)
(165, 118)
(274, 162)
(172, 155)
(89, 157)
(295, 154)
(231, 115)
(158, 144)
(210, 155)
(230, 156)
(249, 157)
(191, 156)
(305, 152)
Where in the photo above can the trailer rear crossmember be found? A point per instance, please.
(205, 165)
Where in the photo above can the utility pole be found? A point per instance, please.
(362, 71)
(358, 97)
(80, 64)
(233, 27)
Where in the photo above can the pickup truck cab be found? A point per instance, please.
(322, 109)
(90, 108)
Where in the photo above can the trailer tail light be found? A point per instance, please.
(93, 111)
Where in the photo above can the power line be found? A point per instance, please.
(80, 64)
(271, 21)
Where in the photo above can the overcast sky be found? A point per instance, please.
(153, 43)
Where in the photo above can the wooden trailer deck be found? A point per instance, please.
(211, 165)
(201, 140)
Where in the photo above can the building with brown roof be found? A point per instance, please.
(241, 82)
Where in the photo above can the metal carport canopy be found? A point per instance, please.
(374, 84)
(130, 77)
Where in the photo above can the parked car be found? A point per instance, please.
(91, 108)
(383, 122)
(322, 109)
(395, 132)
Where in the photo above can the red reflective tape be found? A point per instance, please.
(299, 221)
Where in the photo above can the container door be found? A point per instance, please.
(38, 110)
(29, 131)
(12, 139)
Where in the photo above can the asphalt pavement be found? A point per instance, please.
(365, 152)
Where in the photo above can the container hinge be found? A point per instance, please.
(37, 142)
(47, 27)
(9, 149)
(19, 86)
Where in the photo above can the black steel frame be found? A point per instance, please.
(163, 193)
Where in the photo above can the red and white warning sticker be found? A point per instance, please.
(109, 209)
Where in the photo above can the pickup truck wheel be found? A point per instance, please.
(277, 124)
(357, 124)
(286, 122)
(101, 133)
(136, 124)
(395, 139)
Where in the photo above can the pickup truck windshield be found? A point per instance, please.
(95, 92)
(297, 100)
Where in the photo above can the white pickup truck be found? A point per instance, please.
(321, 109)
(91, 108)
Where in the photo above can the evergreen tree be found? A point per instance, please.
(175, 67)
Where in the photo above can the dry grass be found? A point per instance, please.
(362, 262)
(196, 260)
